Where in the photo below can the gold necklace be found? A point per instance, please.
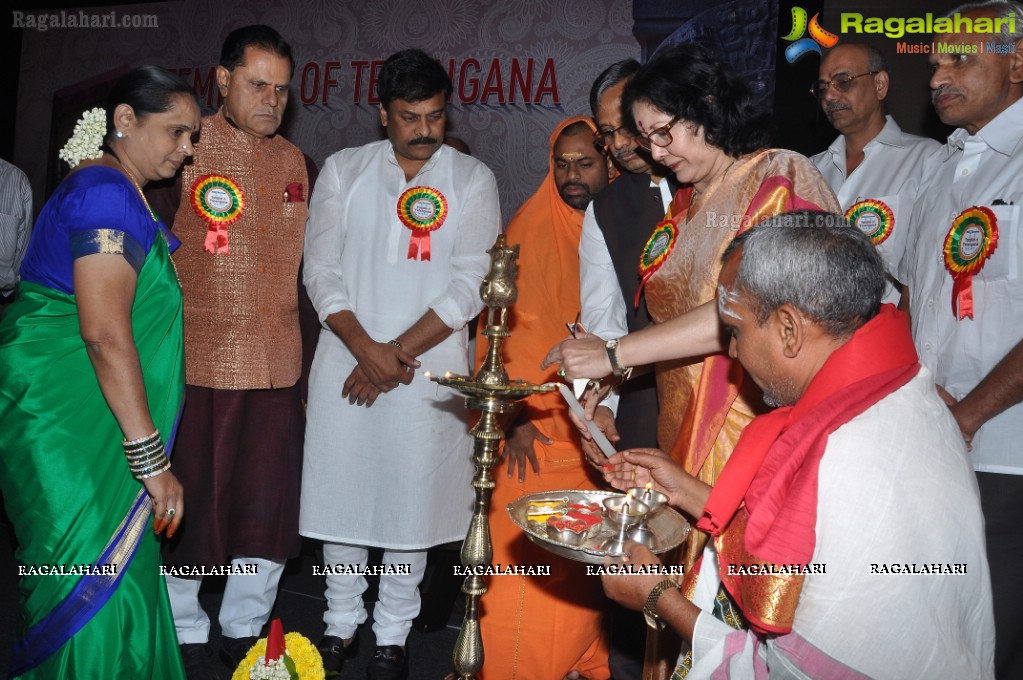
(700, 196)
(135, 183)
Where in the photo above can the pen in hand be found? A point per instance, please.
(573, 327)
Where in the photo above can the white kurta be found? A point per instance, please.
(395, 475)
(890, 173)
(895, 489)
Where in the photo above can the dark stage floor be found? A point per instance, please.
(300, 606)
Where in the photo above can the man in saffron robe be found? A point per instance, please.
(518, 610)
(846, 526)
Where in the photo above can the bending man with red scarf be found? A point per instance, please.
(848, 540)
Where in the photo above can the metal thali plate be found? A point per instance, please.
(667, 528)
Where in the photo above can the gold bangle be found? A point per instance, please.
(141, 440)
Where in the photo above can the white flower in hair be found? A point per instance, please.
(87, 138)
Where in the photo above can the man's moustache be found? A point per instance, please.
(836, 106)
(944, 89)
(423, 141)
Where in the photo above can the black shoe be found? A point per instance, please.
(233, 650)
(199, 664)
(388, 663)
(334, 653)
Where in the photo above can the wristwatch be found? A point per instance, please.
(650, 608)
(616, 365)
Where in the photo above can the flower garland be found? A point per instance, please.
(300, 651)
(87, 138)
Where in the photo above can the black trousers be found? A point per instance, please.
(1001, 497)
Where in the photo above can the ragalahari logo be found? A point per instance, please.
(801, 46)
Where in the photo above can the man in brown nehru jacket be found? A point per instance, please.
(241, 219)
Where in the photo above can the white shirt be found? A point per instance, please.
(895, 488)
(890, 173)
(397, 474)
(985, 169)
(15, 223)
(603, 307)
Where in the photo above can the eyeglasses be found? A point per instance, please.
(606, 138)
(659, 136)
(841, 83)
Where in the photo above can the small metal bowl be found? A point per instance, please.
(567, 536)
(655, 500)
(614, 510)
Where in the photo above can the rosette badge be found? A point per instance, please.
(219, 201)
(969, 243)
(655, 252)
(873, 218)
(422, 210)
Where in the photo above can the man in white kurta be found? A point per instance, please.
(873, 166)
(395, 254)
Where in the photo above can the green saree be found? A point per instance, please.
(69, 492)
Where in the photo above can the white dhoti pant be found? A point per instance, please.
(397, 602)
(245, 609)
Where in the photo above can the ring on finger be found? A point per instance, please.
(171, 512)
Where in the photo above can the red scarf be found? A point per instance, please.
(763, 509)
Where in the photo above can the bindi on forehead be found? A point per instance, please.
(571, 156)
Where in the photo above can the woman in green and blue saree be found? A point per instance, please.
(91, 355)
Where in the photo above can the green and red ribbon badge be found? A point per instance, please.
(219, 201)
(873, 218)
(422, 210)
(970, 242)
(655, 252)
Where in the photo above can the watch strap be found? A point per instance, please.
(650, 608)
(615, 360)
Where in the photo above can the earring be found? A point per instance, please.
(119, 134)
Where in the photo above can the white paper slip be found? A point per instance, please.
(579, 386)
(598, 437)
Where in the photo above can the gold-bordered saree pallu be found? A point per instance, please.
(70, 495)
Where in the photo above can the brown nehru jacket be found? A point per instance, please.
(241, 308)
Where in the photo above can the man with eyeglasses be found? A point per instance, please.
(616, 227)
(873, 166)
